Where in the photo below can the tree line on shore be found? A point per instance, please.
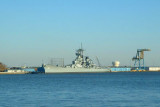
(3, 67)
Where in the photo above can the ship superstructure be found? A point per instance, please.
(82, 61)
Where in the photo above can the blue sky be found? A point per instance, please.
(36, 30)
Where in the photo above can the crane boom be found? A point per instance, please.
(98, 61)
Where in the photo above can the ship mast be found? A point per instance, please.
(81, 50)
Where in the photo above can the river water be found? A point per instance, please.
(121, 89)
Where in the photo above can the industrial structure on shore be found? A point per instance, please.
(139, 59)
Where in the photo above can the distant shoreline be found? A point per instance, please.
(10, 73)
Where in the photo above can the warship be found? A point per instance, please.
(82, 64)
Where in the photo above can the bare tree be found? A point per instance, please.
(2, 67)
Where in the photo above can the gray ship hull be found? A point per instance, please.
(54, 69)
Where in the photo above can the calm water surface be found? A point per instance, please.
(134, 89)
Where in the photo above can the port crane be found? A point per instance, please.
(98, 61)
(139, 59)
